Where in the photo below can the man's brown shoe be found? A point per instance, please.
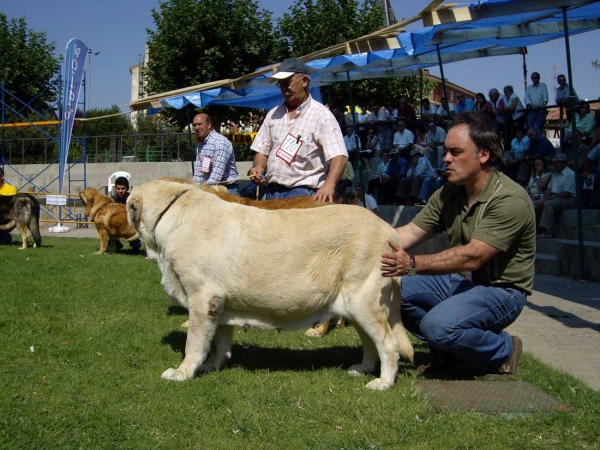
(511, 366)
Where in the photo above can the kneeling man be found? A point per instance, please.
(463, 298)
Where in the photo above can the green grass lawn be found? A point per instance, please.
(102, 331)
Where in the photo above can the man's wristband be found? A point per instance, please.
(412, 269)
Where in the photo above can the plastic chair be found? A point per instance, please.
(111, 181)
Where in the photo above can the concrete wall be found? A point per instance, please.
(97, 174)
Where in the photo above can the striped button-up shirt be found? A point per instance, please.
(222, 166)
(319, 132)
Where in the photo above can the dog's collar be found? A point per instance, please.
(160, 216)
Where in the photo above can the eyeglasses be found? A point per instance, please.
(286, 82)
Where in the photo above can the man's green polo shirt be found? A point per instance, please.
(502, 217)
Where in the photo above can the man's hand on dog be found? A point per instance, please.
(394, 264)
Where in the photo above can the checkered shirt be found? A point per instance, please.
(222, 161)
(322, 141)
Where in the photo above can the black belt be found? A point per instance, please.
(280, 188)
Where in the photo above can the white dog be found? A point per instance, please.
(237, 265)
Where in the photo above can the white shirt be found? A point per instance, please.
(508, 102)
(370, 201)
(350, 142)
(536, 95)
(403, 138)
(321, 139)
(563, 182)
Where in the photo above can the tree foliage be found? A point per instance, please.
(198, 41)
(27, 65)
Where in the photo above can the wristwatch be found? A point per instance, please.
(412, 269)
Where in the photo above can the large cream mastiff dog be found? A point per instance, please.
(237, 265)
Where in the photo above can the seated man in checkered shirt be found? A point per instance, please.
(215, 161)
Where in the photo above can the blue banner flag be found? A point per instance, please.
(74, 68)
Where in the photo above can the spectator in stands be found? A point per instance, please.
(414, 188)
(497, 104)
(365, 121)
(585, 120)
(5, 189)
(121, 196)
(536, 99)
(396, 170)
(427, 109)
(345, 182)
(563, 94)
(445, 111)
(512, 103)
(463, 104)
(376, 182)
(404, 139)
(482, 106)
(383, 123)
(405, 111)
(540, 178)
(215, 160)
(352, 145)
(517, 158)
(434, 144)
(369, 203)
(539, 146)
(560, 195)
(582, 149)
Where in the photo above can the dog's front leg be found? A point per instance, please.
(205, 309)
(103, 241)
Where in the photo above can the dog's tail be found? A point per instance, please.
(9, 226)
(405, 348)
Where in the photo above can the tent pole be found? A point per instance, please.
(578, 185)
(187, 116)
(356, 138)
(524, 52)
(439, 55)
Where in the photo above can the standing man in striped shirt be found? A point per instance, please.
(215, 161)
(299, 147)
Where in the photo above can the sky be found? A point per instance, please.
(117, 29)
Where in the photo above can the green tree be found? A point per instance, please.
(308, 28)
(27, 65)
(198, 41)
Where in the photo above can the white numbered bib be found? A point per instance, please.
(205, 165)
(289, 148)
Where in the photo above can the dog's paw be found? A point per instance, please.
(379, 384)
(358, 370)
(174, 375)
(314, 332)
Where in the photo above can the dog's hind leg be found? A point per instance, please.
(103, 242)
(24, 235)
(205, 309)
(220, 350)
(371, 315)
(405, 348)
(319, 330)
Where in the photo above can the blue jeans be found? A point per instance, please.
(462, 318)
(536, 120)
(275, 193)
(5, 237)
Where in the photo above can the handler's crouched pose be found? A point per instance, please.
(465, 296)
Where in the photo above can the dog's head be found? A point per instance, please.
(149, 202)
(89, 197)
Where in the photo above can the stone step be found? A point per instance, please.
(562, 255)
(566, 225)
(547, 263)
